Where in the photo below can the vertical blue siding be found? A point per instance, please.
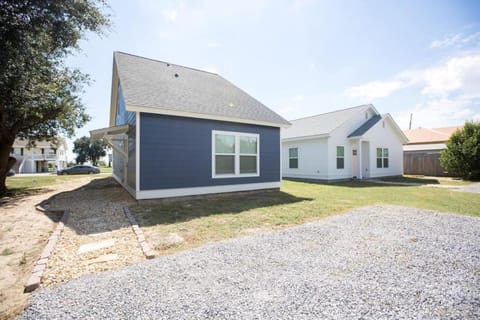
(176, 152)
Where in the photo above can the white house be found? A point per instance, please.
(44, 156)
(356, 142)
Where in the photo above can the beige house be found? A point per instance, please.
(45, 156)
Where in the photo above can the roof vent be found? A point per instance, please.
(176, 75)
(168, 64)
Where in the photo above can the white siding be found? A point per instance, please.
(385, 137)
(312, 159)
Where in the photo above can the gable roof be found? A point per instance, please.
(426, 135)
(322, 124)
(366, 126)
(159, 87)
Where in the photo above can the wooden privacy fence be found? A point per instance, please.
(423, 163)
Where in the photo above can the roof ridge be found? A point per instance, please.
(165, 62)
(334, 111)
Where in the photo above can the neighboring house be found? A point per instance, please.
(44, 156)
(421, 155)
(178, 131)
(356, 142)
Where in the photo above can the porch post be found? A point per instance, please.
(360, 169)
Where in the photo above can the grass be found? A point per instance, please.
(6, 252)
(35, 182)
(106, 170)
(428, 180)
(204, 220)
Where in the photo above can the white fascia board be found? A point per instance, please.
(202, 116)
(315, 136)
(181, 192)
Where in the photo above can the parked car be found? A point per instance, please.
(11, 173)
(80, 169)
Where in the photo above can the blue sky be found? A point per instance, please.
(304, 57)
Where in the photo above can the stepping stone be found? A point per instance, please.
(98, 234)
(95, 246)
(104, 258)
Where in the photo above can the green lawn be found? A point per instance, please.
(208, 219)
(19, 184)
(428, 180)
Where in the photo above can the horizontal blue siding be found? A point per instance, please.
(176, 152)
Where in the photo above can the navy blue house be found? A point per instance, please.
(177, 131)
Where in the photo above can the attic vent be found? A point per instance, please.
(176, 75)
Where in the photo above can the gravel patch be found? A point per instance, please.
(383, 262)
(474, 187)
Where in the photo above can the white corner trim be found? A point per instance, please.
(130, 190)
(203, 116)
(137, 151)
(180, 192)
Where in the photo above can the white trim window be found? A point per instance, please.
(340, 157)
(293, 158)
(235, 154)
(382, 157)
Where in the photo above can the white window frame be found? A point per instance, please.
(383, 157)
(237, 154)
(339, 157)
(289, 158)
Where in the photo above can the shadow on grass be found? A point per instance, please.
(168, 211)
(155, 212)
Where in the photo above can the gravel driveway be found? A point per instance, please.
(383, 262)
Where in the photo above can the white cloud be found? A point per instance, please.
(457, 74)
(375, 89)
(461, 73)
(441, 112)
(448, 93)
(170, 14)
(455, 40)
(214, 44)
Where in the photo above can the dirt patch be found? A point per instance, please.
(24, 232)
(96, 217)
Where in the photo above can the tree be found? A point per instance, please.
(89, 149)
(39, 95)
(462, 155)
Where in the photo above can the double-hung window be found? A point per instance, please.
(235, 154)
(382, 157)
(340, 157)
(293, 158)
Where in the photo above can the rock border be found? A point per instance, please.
(147, 251)
(41, 264)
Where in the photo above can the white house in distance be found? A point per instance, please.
(45, 156)
(356, 142)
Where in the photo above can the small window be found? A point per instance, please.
(293, 158)
(340, 157)
(382, 157)
(235, 154)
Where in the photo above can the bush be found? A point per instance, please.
(462, 155)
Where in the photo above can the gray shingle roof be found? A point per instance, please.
(366, 126)
(321, 124)
(155, 84)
